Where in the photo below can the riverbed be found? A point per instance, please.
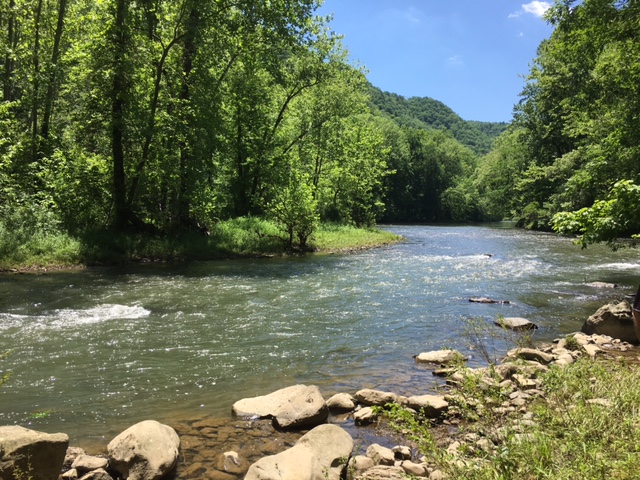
(97, 350)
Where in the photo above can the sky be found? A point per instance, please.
(469, 54)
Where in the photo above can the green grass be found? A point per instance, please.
(241, 237)
(586, 426)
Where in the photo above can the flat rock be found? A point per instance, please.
(30, 454)
(378, 398)
(381, 455)
(291, 407)
(440, 357)
(531, 354)
(515, 323)
(319, 455)
(383, 472)
(364, 416)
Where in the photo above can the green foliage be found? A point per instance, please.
(294, 209)
(575, 131)
(429, 114)
(607, 220)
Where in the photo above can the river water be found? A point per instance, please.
(95, 351)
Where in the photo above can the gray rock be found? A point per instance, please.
(377, 398)
(88, 463)
(341, 401)
(26, 453)
(321, 454)
(99, 474)
(440, 357)
(146, 451)
(291, 407)
(383, 472)
(358, 465)
(71, 455)
(402, 452)
(614, 320)
(415, 469)
(515, 323)
(364, 416)
(380, 455)
(602, 285)
(532, 355)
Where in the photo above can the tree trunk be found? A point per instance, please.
(36, 82)
(53, 72)
(7, 87)
(118, 93)
(189, 52)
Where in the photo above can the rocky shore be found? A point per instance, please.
(297, 434)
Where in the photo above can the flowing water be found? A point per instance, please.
(95, 351)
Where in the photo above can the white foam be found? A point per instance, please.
(65, 318)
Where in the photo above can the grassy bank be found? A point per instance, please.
(228, 239)
(581, 421)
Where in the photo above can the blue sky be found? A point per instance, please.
(469, 54)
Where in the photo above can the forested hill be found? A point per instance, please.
(428, 114)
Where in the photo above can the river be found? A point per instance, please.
(96, 350)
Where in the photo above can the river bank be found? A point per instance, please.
(564, 410)
(233, 239)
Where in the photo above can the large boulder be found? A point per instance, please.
(433, 406)
(291, 407)
(26, 453)
(146, 451)
(321, 454)
(614, 320)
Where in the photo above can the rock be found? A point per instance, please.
(319, 455)
(99, 474)
(88, 463)
(364, 416)
(291, 407)
(230, 462)
(440, 357)
(341, 401)
(415, 469)
(377, 398)
(592, 350)
(383, 472)
(487, 300)
(438, 475)
(380, 455)
(358, 465)
(71, 455)
(70, 475)
(515, 323)
(401, 452)
(614, 320)
(146, 451)
(26, 453)
(532, 355)
(433, 406)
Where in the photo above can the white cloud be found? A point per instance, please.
(455, 61)
(536, 8)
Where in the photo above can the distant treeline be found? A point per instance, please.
(168, 116)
